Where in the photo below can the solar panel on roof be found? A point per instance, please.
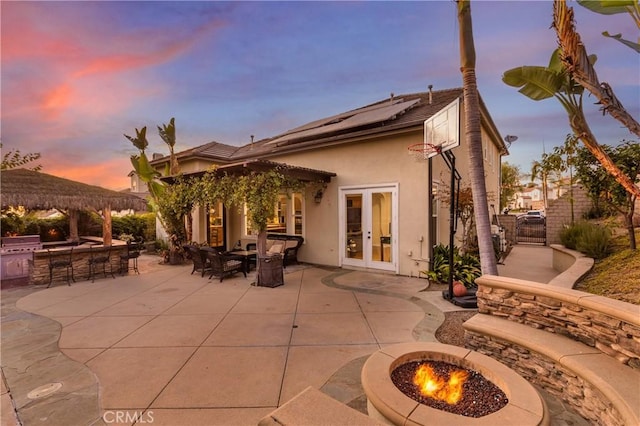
(341, 116)
(369, 115)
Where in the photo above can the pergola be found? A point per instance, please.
(40, 191)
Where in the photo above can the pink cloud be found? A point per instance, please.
(110, 174)
(70, 78)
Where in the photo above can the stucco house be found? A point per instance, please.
(373, 205)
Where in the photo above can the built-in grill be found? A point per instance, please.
(15, 253)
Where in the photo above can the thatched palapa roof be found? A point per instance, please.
(36, 190)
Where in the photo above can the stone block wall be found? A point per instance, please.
(611, 326)
(559, 212)
(555, 379)
(39, 265)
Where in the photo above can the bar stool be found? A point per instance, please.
(100, 259)
(133, 253)
(59, 262)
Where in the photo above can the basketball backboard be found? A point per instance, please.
(443, 129)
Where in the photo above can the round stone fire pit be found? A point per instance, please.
(388, 404)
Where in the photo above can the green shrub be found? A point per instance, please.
(12, 224)
(142, 227)
(570, 233)
(597, 212)
(595, 241)
(588, 238)
(466, 268)
(54, 229)
(150, 226)
(89, 223)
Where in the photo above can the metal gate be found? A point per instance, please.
(531, 231)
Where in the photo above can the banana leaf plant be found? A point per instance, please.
(613, 7)
(553, 81)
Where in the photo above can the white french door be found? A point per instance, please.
(369, 226)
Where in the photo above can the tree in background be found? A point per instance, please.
(466, 215)
(168, 135)
(473, 135)
(565, 160)
(509, 183)
(14, 159)
(603, 188)
(545, 169)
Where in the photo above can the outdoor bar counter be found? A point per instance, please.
(39, 265)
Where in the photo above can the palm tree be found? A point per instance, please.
(543, 169)
(168, 135)
(473, 135)
(157, 189)
(576, 61)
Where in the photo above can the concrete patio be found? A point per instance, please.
(170, 348)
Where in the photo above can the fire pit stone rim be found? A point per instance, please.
(393, 405)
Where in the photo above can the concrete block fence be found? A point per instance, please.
(558, 213)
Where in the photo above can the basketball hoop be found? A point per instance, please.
(422, 151)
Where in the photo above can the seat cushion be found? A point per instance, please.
(276, 248)
(230, 265)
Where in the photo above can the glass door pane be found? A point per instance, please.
(216, 225)
(297, 214)
(381, 217)
(354, 227)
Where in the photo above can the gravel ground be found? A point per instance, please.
(451, 331)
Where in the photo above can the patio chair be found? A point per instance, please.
(199, 259)
(132, 253)
(59, 262)
(101, 258)
(224, 264)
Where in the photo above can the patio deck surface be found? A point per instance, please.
(170, 348)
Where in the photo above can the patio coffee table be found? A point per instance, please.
(247, 257)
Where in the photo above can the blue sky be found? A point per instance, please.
(76, 76)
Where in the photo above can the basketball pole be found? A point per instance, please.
(430, 207)
(450, 160)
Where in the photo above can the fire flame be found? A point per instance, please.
(436, 387)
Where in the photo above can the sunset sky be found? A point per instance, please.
(76, 76)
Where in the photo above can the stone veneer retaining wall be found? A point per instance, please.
(555, 379)
(39, 265)
(611, 326)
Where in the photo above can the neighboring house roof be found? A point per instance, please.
(211, 150)
(532, 189)
(397, 113)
